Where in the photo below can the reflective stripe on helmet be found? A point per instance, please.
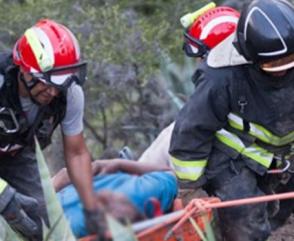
(260, 132)
(189, 170)
(257, 10)
(215, 22)
(265, 30)
(3, 185)
(254, 152)
(44, 60)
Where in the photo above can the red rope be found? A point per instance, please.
(196, 206)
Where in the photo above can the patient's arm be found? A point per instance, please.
(61, 179)
(132, 167)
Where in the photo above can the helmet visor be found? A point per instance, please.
(278, 65)
(63, 77)
(194, 47)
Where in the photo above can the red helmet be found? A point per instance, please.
(49, 51)
(209, 30)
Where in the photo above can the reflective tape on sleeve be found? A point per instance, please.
(254, 152)
(189, 170)
(3, 185)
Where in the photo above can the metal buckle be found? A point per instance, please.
(280, 170)
(14, 120)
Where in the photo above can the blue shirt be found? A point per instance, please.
(138, 189)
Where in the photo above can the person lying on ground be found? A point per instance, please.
(127, 190)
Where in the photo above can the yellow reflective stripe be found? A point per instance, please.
(230, 140)
(265, 135)
(3, 185)
(235, 121)
(259, 155)
(188, 176)
(260, 132)
(192, 163)
(254, 152)
(44, 61)
(189, 170)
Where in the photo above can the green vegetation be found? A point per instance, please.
(127, 45)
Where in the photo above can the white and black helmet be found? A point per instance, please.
(265, 31)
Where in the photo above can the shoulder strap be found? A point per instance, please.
(241, 98)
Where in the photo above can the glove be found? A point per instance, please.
(16, 210)
(95, 223)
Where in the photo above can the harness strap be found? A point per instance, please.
(37, 121)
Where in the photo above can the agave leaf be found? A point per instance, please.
(208, 229)
(118, 231)
(60, 229)
(46, 232)
(198, 229)
(7, 234)
(177, 78)
(208, 235)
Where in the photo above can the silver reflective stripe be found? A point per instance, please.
(259, 155)
(254, 152)
(260, 132)
(190, 173)
(230, 139)
(3, 185)
(188, 170)
(235, 121)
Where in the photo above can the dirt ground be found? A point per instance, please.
(285, 233)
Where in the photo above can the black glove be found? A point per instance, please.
(95, 223)
(16, 213)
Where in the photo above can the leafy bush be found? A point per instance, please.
(127, 101)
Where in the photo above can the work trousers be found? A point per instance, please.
(21, 172)
(252, 222)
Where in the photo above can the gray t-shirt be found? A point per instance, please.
(72, 124)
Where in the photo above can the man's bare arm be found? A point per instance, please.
(78, 162)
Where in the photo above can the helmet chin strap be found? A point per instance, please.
(29, 86)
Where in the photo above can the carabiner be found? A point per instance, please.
(281, 170)
(14, 120)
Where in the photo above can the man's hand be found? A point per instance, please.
(16, 214)
(95, 223)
